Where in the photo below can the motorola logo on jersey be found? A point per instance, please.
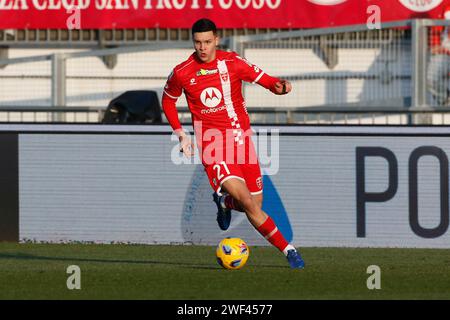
(211, 97)
(327, 2)
(421, 5)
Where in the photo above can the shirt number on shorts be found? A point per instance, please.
(217, 168)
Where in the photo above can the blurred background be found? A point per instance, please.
(350, 61)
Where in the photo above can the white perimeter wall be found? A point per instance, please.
(119, 187)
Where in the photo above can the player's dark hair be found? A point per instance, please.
(204, 25)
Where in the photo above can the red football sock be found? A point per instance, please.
(270, 231)
(230, 203)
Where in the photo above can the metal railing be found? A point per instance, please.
(344, 67)
(58, 114)
(97, 38)
(313, 115)
(387, 64)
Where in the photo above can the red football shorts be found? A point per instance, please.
(249, 173)
(246, 169)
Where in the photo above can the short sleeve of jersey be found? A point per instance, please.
(247, 71)
(173, 87)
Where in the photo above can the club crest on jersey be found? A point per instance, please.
(224, 76)
(205, 72)
(211, 97)
(259, 182)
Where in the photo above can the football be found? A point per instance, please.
(232, 253)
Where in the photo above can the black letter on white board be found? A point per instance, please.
(361, 195)
(413, 194)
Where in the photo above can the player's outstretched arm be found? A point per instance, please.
(275, 85)
(251, 73)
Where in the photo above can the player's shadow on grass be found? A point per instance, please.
(25, 256)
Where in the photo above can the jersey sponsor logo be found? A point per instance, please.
(420, 5)
(327, 2)
(205, 72)
(193, 81)
(211, 97)
(213, 110)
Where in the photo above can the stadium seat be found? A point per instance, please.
(141, 106)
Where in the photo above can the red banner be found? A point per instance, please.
(116, 14)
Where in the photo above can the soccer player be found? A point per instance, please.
(212, 83)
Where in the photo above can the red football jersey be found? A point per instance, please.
(214, 94)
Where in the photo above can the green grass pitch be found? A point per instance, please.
(38, 271)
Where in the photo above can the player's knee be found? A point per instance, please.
(247, 203)
(258, 199)
(258, 203)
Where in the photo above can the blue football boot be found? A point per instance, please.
(295, 259)
(223, 215)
